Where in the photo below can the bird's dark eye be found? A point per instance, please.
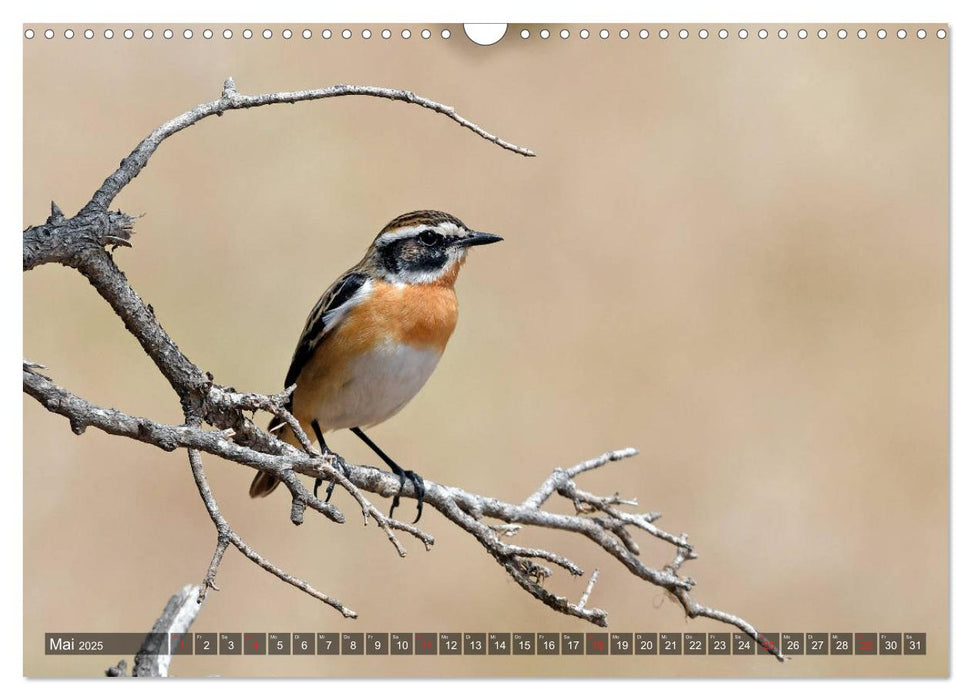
(429, 237)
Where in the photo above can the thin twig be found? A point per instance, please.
(464, 509)
(561, 476)
(225, 530)
(589, 589)
(81, 241)
(231, 99)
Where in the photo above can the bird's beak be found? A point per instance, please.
(478, 238)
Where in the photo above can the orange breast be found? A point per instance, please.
(421, 316)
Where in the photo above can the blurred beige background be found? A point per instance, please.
(730, 254)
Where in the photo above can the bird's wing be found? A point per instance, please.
(346, 293)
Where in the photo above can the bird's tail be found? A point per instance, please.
(263, 483)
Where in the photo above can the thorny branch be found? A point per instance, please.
(81, 241)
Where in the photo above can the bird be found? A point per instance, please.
(375, 336)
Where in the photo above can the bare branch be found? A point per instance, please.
(533, 553)
(62, 240)
(275, 405)
(561, 476)
(228, 534)
(694, 610)
(179, 614)
(230, 100)
(589, 589)
(586, 502)
(155, 655)
(188, 381)
(81, 241)
(462, 508)
(209, 582)
(82, 414)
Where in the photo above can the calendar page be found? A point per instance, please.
(527, 350)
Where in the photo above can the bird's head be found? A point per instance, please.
(424, 247)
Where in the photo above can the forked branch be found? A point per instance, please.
(81, 242)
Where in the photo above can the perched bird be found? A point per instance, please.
(376, 334)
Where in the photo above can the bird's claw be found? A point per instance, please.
(419, 485)
(342, 465)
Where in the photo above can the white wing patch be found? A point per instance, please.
(319, 325)
(334, 316)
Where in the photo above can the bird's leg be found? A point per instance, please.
(402, 474)
(324, 450)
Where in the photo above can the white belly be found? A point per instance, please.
(378, 385)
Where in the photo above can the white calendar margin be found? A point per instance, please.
(436, 11)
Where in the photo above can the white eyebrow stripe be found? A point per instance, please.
(446, 228)
(400, 233)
